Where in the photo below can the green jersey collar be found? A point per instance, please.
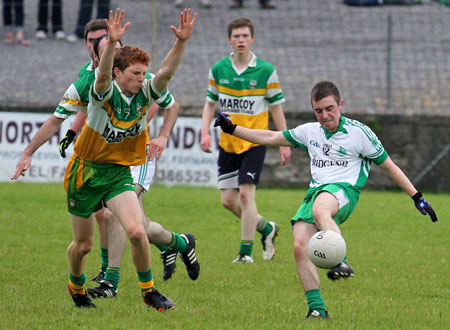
(340, 129)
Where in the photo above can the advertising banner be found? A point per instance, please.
(182, 162)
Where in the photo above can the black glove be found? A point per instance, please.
(423, 206)
(65, 143)
(225, 123)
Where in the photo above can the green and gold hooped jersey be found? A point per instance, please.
(245, 96)
(115, 129)
(342, 157)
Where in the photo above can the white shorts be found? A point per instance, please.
(143, 174)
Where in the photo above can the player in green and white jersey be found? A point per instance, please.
(341, 152)
(246, 88)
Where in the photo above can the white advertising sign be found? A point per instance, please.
(182, 162)
(16, 131)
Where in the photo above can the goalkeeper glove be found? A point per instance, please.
(223, 120)
(65, 142)
(423, 206)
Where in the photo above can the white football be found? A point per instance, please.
(326, 249)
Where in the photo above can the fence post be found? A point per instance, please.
(389, 62)
(154, 67)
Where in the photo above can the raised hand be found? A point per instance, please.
(114, 25)
(423, 206)
(184, 31)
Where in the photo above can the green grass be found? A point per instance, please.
(401, 261)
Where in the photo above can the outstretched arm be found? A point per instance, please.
(259, 136)
(45, 132)
(405, 184)
(397, 175)
(173, 58)
(115, 33)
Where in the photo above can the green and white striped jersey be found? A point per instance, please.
(343, 157)
(244, 95)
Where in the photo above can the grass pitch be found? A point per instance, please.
(401, 261)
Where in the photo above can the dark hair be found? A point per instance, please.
(323, 89)
(128, 55)
(94, 25)
(96, 43)
(239, 23)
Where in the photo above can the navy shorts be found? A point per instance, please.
(235, 169)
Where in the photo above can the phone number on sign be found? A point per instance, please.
(183, 176)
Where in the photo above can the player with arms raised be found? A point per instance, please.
(113, 139)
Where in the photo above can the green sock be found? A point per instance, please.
(246, 248)
(264, 227)
(112, 275)
(104, 255)
(162, 248)
(146, 281)
(315, 301)
(177, 243)
(80, 280)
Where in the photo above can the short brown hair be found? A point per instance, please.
(323, 89)
(239, 23)
(94, 25)
(128, 55)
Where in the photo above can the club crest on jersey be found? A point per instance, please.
(113, 134)
(253, 84)
(139, 109)
(326, 149)
(342, 151)
(72, 202)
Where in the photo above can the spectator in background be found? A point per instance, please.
(203, 3)
(84, 16)
(18, 22)
(57, 22)
(265, 4)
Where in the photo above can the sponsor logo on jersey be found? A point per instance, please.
(314, 143)
(326, 149)
(224, 81)
(328, 163)
(237, 105)
(113, 135)
(238, 79)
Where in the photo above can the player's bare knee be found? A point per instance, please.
(228, 204)
(300, 249)
(137, 235)
(107, 214)
(84, 247)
